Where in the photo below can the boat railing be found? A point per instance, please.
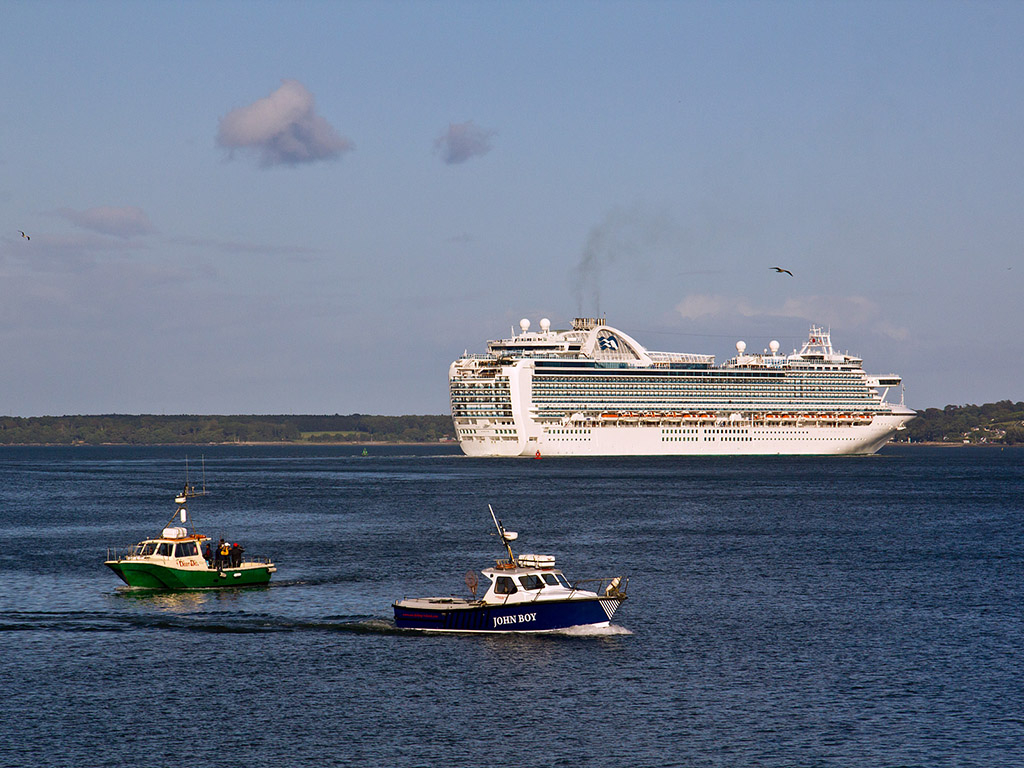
(253, 559)
(258, 560)
(120, 553)
(604, 586)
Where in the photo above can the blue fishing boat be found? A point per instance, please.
(522, 594)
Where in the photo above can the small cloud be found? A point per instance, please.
(284, 128)
(238, 246)
(462, 141)
(847, 311)
(126, 221)
(696, 306)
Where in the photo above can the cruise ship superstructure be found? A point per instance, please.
(593, 390)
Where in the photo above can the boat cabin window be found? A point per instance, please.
(147, 549)
(164, 549)
(504, 585)
(186, 549)
(531, 581)
(556, 580)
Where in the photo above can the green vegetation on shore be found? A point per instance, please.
(999, 423)
(183, 430)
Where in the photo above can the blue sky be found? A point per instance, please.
(313, 207)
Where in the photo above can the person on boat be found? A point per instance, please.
(208, 554)
(236, 554)
(223, 554)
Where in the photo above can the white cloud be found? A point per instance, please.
(283, 128)
(125, 221)
(462, 141)
(848, 311)
(697, 306)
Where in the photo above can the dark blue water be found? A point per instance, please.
(782, 611)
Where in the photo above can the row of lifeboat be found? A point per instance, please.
(840, 417)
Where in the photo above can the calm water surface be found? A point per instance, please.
(782, 611)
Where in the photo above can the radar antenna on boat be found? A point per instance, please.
(505, 536)
(189, 492)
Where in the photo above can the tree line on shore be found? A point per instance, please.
(189, 430)
(1000, 423)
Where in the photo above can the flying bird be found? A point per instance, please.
(780, 269)
(24, 235)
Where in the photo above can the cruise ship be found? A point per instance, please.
(593, 390)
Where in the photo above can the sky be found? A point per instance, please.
(314, 207)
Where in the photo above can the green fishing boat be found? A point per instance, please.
(175, 558)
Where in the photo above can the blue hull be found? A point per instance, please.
(540, 616)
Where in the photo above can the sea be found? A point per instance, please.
(782, 611)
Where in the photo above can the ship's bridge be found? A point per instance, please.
(542, 343)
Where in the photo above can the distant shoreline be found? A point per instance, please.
(232, 442)
(286, 443)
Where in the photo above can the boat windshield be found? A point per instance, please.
(145, 549)
(164, 549)
(531, 581)
(186, 549)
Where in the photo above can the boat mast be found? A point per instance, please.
(506, 536)
(189, 492)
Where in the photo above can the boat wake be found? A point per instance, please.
(612, 630)
(231, 622)
(215, 622)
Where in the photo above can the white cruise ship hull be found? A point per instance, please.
(689, 440)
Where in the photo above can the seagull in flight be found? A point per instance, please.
(24, 235)
(780, 269)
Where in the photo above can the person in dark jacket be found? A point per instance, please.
(236, 554)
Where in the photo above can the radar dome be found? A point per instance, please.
(545, 324)
(773, 345)
(524, 325)
(741, 347)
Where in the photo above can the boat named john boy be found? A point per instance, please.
(523, 594)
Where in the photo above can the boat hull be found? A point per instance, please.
(143, 575)
(453, 615)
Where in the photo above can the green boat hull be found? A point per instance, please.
(145, 575)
